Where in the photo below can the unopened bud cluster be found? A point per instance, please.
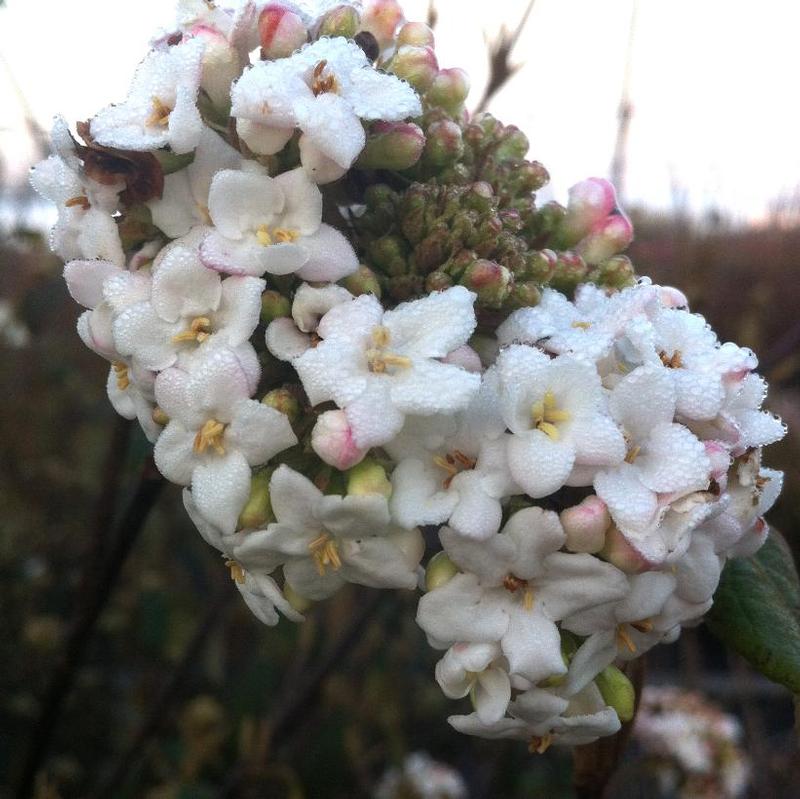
(329, 297)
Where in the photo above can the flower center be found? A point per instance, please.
(322, 83)
(513, 584)
(121, 373)
(674, 361)
(582, 325)
(81, 200)
(539, 744)
(210, 435)
(159, 116)
(276, 235)
(546, 415)
(379, 359)
(237, 572)
(199, 330)
(453, 463)
(624, 638)
(325, 552)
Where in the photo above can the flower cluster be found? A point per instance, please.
(693, 746)
(330, 299)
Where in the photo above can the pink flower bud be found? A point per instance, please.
(415, 33)
(444, 143)
(417, 65)
(281, 31)
(392, 145)
(621, 553)
(586, 524)
(449, 90)
(332, 440)
(590, 202)
(381, 18)
(607, 238)
(489, 280)
(465, 357)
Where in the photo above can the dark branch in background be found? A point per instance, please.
(501, 70)
(300, 698)
(157, 716)
(433, 15)
(83, 626)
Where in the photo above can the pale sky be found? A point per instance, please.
(716, 120)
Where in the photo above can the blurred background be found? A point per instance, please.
(181, 693)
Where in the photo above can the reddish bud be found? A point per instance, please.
(489, 280)
(586, 524)
(618, 551)
(281, 31)
(392, 145)
(381, 18)
(608, 237)
(332, 440)
(590, 202)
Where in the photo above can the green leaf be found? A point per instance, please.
(757, 611)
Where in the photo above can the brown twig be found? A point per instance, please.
(154, 720)
(292, 710)
(501, 70)
(82, 628)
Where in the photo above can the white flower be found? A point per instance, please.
(556, 410)
(160, 109)
(184, 201)
(190, 308)
(131, 391)
(288, 338)
(663, 458)
(428, 779)
(380, 366)
(216, 432)
(274, 225)
(326, 88)
(478, 670)
(453, 469)
(326, 541)
(543, 718)
(516, 586)
(85, 227)
(251, 577)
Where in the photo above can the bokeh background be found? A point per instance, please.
(181, 694)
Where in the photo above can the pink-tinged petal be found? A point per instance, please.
(285, 341)
(174, 454)
(294, 498)
(332, 439)
(302, 210)
(433, 387)
(642, 400)
(631, 504)
(372, 416)
(95, 331)
(329, 124)
(538, 463)
(85, 280)
(329, 255)
(258, 431)
(433, 326)
(183, 287)
(237, 315)
(673, 460)
(240, 201)
(220, 487)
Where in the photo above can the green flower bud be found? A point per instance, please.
(524, 295)
(540, 265)
(283, 400)
(444, 143)
(513, 146)
(417, 65)
(368, 477)
(417, 34)
(392, 145)
(299, 603)
(440, 570)
(159, 417)
(490, 281)
(616, 272)
(549, 218)
(438, 281)
(570, 270)
(257, 511)
(274, 306)
(448, 90)
(340, 21)
(617, 692)
(362, 281)
(388, 254)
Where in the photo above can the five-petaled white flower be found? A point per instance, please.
(326, 88)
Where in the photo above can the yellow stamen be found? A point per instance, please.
(527, 599)
(643, 626)
(204, 212)
(546, 414)
(325, 552)
(674, 361)
(380, 336)
(278, 235)
(624, 639)
(237, 572)
(82, 200)
(453, 463)
(199, 330)
(539, 744)
(263, 236)
(121, 372)
(320, 83)
(159, 116)
(512, 584)
(210, 435)
(582, 325)
(159, 417)
(633, 454)
(378, 359)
